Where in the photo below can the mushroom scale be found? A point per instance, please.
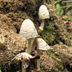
(27, 30)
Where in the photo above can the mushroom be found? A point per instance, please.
(28, 31)
(43, 14)
(40, 44)
(2, 40)
(25, 59)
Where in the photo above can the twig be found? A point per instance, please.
(66, 1)
(64, 6)
(58, 1)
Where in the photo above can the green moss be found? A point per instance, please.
(53, 34)
(55, 58)
(62, 59)
(55, 70)
(51, 52)
(47, 34)
(70, 43)
(4, 48)
(60, 66)
(14, 63)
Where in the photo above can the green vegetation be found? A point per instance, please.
(63, 8)
(0, 69)
(47, 34)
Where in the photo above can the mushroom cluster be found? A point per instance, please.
(29, 32)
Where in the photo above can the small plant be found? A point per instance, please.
(0, 69)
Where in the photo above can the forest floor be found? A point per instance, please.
(59, 59)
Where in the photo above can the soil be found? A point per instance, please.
(59, 59)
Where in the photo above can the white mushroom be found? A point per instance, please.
(2, 40)
(28, 31)
(43, 14)
(41, 45)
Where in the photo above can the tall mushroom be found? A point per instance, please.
(2, 40)
(28, 31)
(41, 45)
(43, 14)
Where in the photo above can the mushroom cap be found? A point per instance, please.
(23, 56)
(2, 40)
(43, 12)
(42, 45)
(28, 30)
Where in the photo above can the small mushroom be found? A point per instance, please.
(43, 14)
(2, 40)
(28, 31)
(25, 59)
(40, 44)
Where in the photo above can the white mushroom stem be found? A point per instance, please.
(38, 60)
(29, 46)
(28, 51)
(42, 25)
(23, 69)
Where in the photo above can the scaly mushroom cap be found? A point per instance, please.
(42, 45)
(43, 12)
(24, 57)
(28, 30)
(2, 40)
